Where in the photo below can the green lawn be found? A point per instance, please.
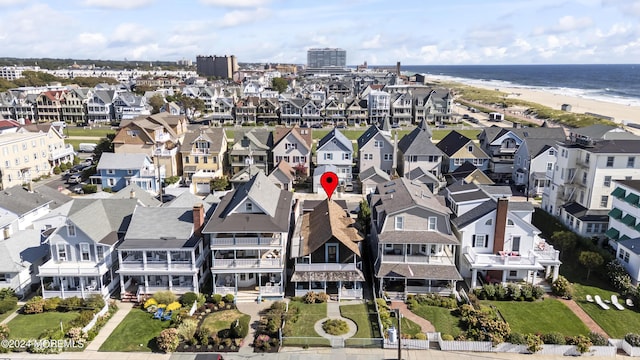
(31, 326)
(221, 320)
(137, 332)
(364, 317)
(545, 316)
(442, 319)
(309, 314)
(408, 327)
(615, 322)
(78, 131)
(6, 315)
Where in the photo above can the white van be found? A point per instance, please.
(86, 147)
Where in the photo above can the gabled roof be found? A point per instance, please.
(452, 142)
(123, 161)
(604, 132)
(266, 195)
(280, 133)
(370, 133)
(285, 169)
(487, 207)
(102, 219)
(214, 135)
(423, 175)
(463, 170)
(144, 197)
(373, 171)
(20, 201)
(259, 139)
(536, 147)
(176, 230)
(21, 250)
(400, 194)
(338, 136)
(553, 133)
(418, 142)
(327, 221)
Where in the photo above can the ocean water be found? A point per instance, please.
(612, 83)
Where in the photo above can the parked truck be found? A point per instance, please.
(87, 147)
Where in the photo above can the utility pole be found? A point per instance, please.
(399, 317)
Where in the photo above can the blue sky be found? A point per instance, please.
(380, 32)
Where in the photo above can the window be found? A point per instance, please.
(584, 178)
(515, 243)
(85, 254)
(513, 273)
(62, 253)
(378, 144)
(399, 223)
(332, 253)
(509, 222)
(195, 159)
(248, 206)
(480, 240)
(609, 161)
(110, 171)
(489, 222)
(368, 156)
(626, 256)
(111, 182)
(328, 156)
(604, 200)
(631, 161)
(627, 177)
(71, 230)
(589, 227)
(587, 157)
(433, 222)
(470, 148)
(99, 252)
(552, 152)
(186, 159)
(549, 166)
(205, 159)
(346, 156)
(413, 158)
(388, 157)
(5, 277)
(290, 146)
(129, 172)
(607, 181)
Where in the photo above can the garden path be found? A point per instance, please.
(253, 309)
(582, 315)
(15, 313)
(425, 325)
(107, 329)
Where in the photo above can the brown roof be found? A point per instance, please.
(328, 220)
(280, 133)
(419, 271)
(286, 169)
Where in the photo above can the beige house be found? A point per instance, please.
(292, 145)
(49, 105)
(203, 152)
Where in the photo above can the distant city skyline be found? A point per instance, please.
(379, 32)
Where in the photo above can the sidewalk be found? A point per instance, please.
(123, 310)
(253, 309)
(15, 313)
(425, 325)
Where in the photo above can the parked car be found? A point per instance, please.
(74, 179)
(465, 116)
(473, 120)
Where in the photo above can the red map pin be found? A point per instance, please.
(329, 182)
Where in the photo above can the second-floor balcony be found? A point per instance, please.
(230, 240)
(61, 152)
(247, 263)
(326, 267)
(511, 259)
(72, 268)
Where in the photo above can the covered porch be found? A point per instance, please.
(138, 286)
(73, 286)
(399, 280)
(249, 285)
(337, 284)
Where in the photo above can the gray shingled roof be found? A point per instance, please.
(22, 249)
(418, 142)
(369, 134)
(603, 132)
(537, 146)
(20, 201)
(407, 194)
(176, 230)
(615, 147)
(335, 133)
(419, 271)
(417, 237)
(373, 171)
(102, 219)
(143, 196)
(122, 161)
(484, 209)
(631, 244)
(214, 135)
(452, 142)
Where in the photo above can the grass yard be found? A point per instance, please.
(6, 315)
(549, 315)
(98, 132)
(136, 332)
(365, 318)
(615, 322)
(442, 319)
(309, 314)
(32, 325)
(408, 327)
(221, 320)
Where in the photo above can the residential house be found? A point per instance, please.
(326, 248)
(222, 111)
(439, 106)
(291, 111)
(251, 147)
(532, 160)
(371, 178)
(83, 261)
(49, 105)
(74, 106)
(173, 257)
(416, 151)
(335, 111)
(623, 217)
(128, 105)
(312, 113)
(293, 145)
(357, 113)
(628, 254)
(462, 196)
(158, 136)
(267, 111)
(458, 149)
(318, 171)
(377, 149)
(401, 109)
(499, 244)
(203, 152)
(117, 170)
(283, 175)
(248, 233)
(335, 149)
(20, 207)
(378, 107)
(100, 106)
(581, 181)
(500, 144)
(246, 111)
(57, 151)
(413, 247)
(468, 173)
(24, 156)
(20, 256)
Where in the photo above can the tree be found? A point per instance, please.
(364, 216)
(590, 260)
(156, 102)
(564, 241)
(279, 84)
(105, 145)
(219, 183)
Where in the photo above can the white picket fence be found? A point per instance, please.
(630, 350)
(93, 321)
(194, 307)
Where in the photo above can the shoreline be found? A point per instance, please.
(621, 114)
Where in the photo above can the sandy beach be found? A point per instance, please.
(579, 105)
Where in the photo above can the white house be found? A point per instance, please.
(335, 149)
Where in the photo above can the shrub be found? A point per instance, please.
(164, 297)
(335, 327)
(447, 337)
(7, 304)
(51, 304)
(95, 302)
(57, 170)
(83, 319)
(517, 338)
(553, 338)
(89, 188)
(76, 334)
(7, 293)
(598, 339)
(322, 297)
(489, 291)
(35, 305)
(527, 292)
(187, 330)
(618, 276)
(562, 287)
(501, 292)
(310, 297)
(168, 340)
(203, 336)
(581, 342)
(71, 304)
(534, 343)
(216, 298)
(421, 336)
(4, 331)
(513, 292)
(150, 302)
(633, 339)
(238, 330)
(188, 299)
(173, 306)
(229, 298)
(538, 292)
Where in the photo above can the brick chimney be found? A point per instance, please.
(198, 219)
(500, 224)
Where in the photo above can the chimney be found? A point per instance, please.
(501, 224)
(198, 219)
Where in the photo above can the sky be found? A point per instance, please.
(380, 32)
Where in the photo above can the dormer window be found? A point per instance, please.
(248, 207)
(71, 230)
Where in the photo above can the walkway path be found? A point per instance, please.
(253, 309)
(333, 312)
(582, 315)
(15, 313)
(107, 329)
(425, 325)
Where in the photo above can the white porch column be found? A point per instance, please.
(196, 284)
(556, 272)
(193, 260)
(42, 287)
(146, 281)
(144, 264)
(474, 277)
(168, 260)
(82, 287)
(535, 277)
(170, 282)
(504, 276)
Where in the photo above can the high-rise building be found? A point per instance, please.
(327, 57)
(217, 66)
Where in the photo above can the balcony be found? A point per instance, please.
(504, 260)
(247, 263)
(61, 153)
(417, 259)
(162, 137)
(133, 266)
(47, 294)
(325, 267)
(200, 151)
(246, 242)
(72, 268)
(165, 152)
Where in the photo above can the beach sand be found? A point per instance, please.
(579, 105)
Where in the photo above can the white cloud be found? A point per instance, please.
(130, 33)
(565, 24)
(11, 2)
(373, 43)
(523, 44)
(118, 4)
(234, 3)
(239, 17)
(92, 39)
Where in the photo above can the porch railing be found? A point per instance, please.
(246, 263)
